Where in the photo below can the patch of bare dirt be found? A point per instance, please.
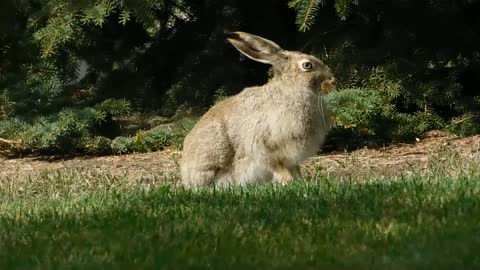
(144, 165)
(398, 159)
(389, 160)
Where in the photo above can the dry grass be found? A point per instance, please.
(434, 153)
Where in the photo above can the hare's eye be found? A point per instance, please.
(307, 65)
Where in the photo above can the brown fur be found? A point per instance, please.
(264, 132)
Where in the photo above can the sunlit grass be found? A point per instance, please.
(70, 221)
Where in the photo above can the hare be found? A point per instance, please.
(264, 132)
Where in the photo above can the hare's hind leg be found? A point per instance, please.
(196, 177)
(204, 172)
(206, 152)
(246, 170)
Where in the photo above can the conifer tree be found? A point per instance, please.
(72, 71)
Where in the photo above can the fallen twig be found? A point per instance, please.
(10, 142)
(460, 121)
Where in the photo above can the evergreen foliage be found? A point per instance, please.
(399, 76)
(69, 69)
(307, 10)
(154, 139)
(69, 131)
(87, 131)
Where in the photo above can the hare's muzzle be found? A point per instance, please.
(328, 85)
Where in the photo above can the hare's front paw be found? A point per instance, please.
(280, 183)
(282, 176)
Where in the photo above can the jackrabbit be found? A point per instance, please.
(264, 132)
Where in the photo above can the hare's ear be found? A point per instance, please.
(255, 47)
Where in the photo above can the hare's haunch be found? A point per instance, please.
(264, 132)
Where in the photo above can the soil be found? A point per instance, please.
(394, 159)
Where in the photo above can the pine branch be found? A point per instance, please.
(306, 12)
(307, 15)
(344, 7)
(460, 121)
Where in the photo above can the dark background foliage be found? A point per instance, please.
(119, 76)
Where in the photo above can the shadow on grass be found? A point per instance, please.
(408, 224)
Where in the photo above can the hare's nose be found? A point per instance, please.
(328, 85)
(333, 81)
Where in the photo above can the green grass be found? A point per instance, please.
(62, 222)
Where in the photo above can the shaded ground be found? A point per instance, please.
(395, 159)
